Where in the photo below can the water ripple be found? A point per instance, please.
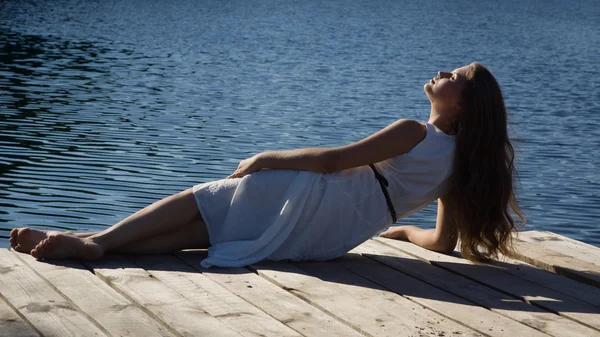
(109, 106)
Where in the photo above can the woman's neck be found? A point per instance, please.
(443, 123)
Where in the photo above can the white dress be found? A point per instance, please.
(304, 215)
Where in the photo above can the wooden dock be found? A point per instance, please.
(382, 288)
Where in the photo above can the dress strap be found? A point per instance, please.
(383, 183)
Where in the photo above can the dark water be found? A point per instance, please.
(107, 106)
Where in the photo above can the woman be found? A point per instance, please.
(319, 203)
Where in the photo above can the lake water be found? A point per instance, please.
(107, 106)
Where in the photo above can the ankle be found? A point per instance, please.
(96, 250)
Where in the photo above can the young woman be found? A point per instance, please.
(319, 203)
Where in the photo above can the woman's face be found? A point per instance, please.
(446, 88)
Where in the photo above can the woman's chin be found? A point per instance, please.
(427, 88)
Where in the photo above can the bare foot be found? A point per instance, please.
(63, 246)
(24, 239)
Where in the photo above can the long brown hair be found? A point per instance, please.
(483, 197)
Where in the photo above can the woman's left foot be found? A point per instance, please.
(61, 246)
(23, 240)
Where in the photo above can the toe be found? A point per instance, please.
(34, 252)
(13, 241)
(14, 232)
(39, 248)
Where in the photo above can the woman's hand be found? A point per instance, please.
(247, 166)
(395, 232)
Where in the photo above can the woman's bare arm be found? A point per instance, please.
(397, 138)
(308, 159)
(441, 239)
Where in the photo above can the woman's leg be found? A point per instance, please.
(191, 236)
(164, 216)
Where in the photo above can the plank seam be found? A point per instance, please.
(60, 293)
(450, 292)
(20, 314)
(433, 263)
(538, 305)
(327, 312)
(541, 306)
(542, 285)
(525, 238)
(370, 257)
(254, 272)
(559, 270)
(226, 322)
(134, 302)
(416, 303)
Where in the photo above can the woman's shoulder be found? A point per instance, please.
(413, 132)
(412, 123)
(417, 129)
(395, 139)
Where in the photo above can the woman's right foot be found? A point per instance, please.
(23, 240)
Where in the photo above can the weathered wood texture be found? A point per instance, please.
(214, 299)
(97, 299)
(275, 301)
(44, 308)
(578, 290)
(508, 305)
(12, 325)
(490, 276)
(358, 302)
(167, 306)
(560, 255)
(381, 288)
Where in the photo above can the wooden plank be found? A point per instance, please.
(578, 290)
(49, 312)
(495, 301)
(551, 236)
(494, 277)
(444, 303)
(563, 245)
(11, 324)
(162, 303)
(358, 302)
(108, 308)
(280, 304)
(217, 301)
(556, 262)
